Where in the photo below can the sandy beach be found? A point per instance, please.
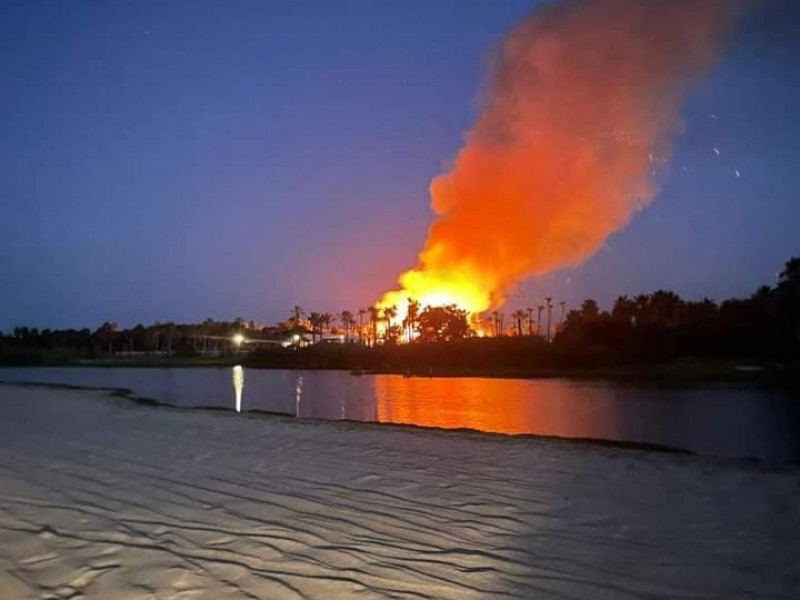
(102, 498)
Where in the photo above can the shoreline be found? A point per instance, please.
(127, 395)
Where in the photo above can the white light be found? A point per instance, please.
(238, 339)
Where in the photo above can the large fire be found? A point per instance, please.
(583, 101)
(432, 288)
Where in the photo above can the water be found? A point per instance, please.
(733, 422)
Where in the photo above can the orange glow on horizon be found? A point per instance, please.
(428, 290)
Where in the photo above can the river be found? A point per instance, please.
(740, 422)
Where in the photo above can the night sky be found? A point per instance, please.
(184, 160)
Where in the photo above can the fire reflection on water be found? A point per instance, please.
(495, 405)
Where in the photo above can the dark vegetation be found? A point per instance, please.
(658, 334)
(153, 344)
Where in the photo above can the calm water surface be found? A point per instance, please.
(734, 422)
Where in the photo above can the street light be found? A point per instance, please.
(238, 339)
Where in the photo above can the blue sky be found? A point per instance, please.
(184, 160)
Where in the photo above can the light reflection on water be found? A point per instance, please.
(238, 386)
(742, 422)
(298, 392)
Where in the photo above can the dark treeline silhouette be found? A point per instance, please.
(649, 329)
(661, 327)
(27, 345)
(645, 330)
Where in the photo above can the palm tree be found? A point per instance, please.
(412, 315)
(352, 322)
(389, 313)
(297, 315)
(519, 317)
(332, 327)
(563, 305)
(549, 302)
(374, 314)
(316, 324)
(361, 313)
(325, 322)
(530, 321)
(346, 318)
(540, 308)
(495, 323)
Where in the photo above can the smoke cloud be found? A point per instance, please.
(582, 103)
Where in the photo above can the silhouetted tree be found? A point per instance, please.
(297, 315)
(519, 317)
(361, 313)
(326, 319)
(412, 314)
(389, 313)
(442, 323)
(647, 328)
(316, 321)
(539, 309)
(347, 321)
(374, 315)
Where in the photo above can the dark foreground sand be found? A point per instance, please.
(100, 498)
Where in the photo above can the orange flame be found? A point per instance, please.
(582, 103)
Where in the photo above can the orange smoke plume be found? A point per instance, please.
(583, 100)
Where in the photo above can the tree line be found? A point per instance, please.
(645, 329)
(661, 326)
(32, 345)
